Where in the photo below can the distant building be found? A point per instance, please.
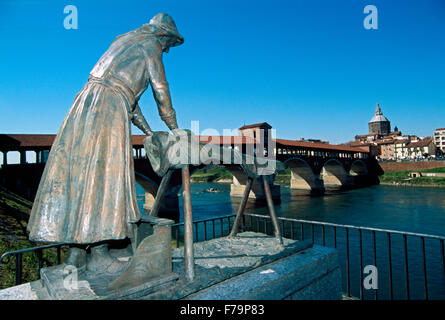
(314, 141)
(421, 148)
(256, 131)
(387, 145)
(439, 139)
(379, 124)
(387, 149)
(379, 129)
(261, 134)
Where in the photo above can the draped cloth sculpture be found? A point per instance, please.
(87, 191)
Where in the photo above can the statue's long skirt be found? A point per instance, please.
(87, 191)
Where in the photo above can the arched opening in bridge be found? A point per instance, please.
(358, 168)
(31, 157)
(13, 157)
(334, 174)
(302, 176)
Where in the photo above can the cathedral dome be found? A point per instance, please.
(378, 116)
(379, 124)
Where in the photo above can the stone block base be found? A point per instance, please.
(249, 266)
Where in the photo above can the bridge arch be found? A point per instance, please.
(144, 177)
(334, 174)
(358, 168)
(302, 175)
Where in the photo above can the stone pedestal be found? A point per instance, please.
(249, 266)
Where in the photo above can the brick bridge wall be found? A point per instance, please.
(410, 165)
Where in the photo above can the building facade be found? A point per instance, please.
(421, 148)
(439, 139)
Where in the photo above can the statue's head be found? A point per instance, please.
(172, 37)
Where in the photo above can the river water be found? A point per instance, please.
(420, 210)
(412, 209)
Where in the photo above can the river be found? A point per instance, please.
(420, 210)
(411, 209)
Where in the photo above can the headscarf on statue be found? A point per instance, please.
(167, 151)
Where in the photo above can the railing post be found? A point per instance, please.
(40, 259)
(443, 257)
(348, 283)
(390, 266)
(361, 263)
(405, 244)
(18, 268)
(425, 278)
(59, 255)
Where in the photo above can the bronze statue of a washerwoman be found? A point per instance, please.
(87, 192)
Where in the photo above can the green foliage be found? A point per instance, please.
(14, 215)
(402, 177)
(442, 169)
(283, 178)
(211, 174)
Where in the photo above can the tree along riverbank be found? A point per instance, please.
(216, 174)
(222, 175)
(406, 178)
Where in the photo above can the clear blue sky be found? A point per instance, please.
(307, 67)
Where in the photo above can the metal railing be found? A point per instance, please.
(38, 251)
(410, 265)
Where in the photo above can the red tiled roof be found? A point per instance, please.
(16, 141)
(255, 125)
(223, 140)
(26, 140)
(440, 129)
(422, 143)
(312, 145)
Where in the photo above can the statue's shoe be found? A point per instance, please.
(100, 261)
(77, 257)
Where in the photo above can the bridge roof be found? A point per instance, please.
(223, 140)
(312, 145)
(19, 141)
(13, 142)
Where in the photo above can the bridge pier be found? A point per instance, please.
(332, 182)
(257, 192)
(303, 179)
(299, 185)
(169, 204)
(335, 177)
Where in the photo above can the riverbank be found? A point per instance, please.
(414, 178)
(211, 174)
(14, 216)
(222, 175)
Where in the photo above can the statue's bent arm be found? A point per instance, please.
(139, 120)
(161, 91)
